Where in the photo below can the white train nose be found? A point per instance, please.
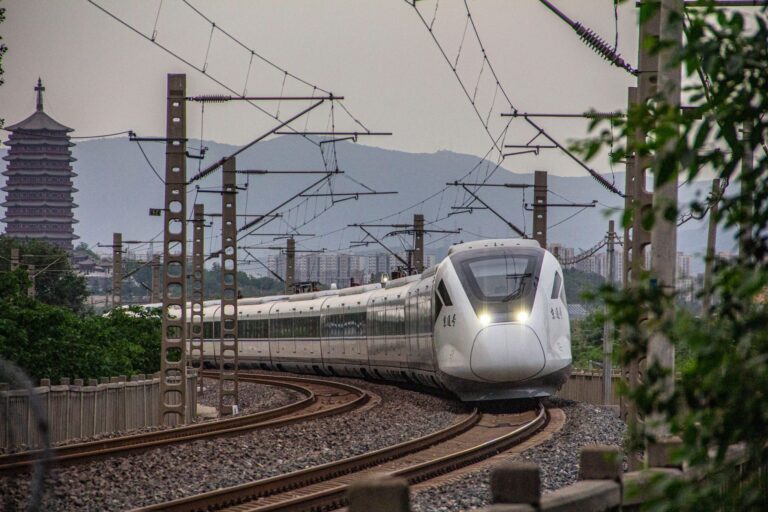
(507, 353)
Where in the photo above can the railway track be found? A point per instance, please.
(475, 437)
(320, 398)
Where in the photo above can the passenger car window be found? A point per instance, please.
(556, 286)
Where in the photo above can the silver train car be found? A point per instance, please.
(489, 322)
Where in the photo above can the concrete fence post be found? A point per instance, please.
(660, 454)
(77, 415)
(516, 483)
(600, 463)
(379, 493)
(58, 413)
(5, 413)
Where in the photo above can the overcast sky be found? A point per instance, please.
(101, 77)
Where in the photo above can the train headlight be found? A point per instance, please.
(521, 316)
(484, 318)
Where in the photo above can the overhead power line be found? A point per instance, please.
(486, 64)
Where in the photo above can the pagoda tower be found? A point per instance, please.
(39, 180)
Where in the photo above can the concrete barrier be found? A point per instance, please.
(516, 487)
(77, 410)
(584, 386)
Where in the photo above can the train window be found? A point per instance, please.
(443, 291)
(556, 286)
(500, 280)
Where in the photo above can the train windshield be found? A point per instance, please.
(499, 281)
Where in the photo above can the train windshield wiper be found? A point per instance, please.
(515, 294)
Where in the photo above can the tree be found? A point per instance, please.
(52, 342)
(56, 283)
(719, 396)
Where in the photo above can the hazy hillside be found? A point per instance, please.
(117, 188)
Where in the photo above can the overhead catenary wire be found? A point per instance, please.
(261, 57)
(189, 63)
(487, 63)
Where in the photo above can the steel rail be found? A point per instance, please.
(335, 476)
(312, 406)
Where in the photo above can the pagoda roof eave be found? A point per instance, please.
(39, 121)
(39, 172)
(27, 204)
(65, 158)
(39, 236)
(39, 141)
(39, 220)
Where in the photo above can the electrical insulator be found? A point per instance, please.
(601, 47)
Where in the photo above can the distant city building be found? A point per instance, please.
(39, 174)
(340, 268)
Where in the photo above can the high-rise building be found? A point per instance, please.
(39, 174)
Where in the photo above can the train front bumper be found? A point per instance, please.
(508, 352)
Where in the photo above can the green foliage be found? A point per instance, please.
(136, 288)
(587, 340)
(581, 286)
(56, 283)
(719, 398)
(54, 342)
(248, 285)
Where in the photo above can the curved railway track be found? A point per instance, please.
(320, 398)
(476, 437)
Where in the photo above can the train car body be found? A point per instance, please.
(488, 322)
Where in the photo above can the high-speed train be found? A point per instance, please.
(488, 322)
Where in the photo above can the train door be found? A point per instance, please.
(558, 327)
(275, 347)
(400, 339)
(412, 326)
(376, 332)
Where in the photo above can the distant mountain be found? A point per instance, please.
(117, 188)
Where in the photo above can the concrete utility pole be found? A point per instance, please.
(290, 265)
(636, 238)
(540, 208)
(198, 290)
(664, 232)
(418, 243)
(156, 280)
(14, 259)
(747, 185)
(173, 364)
(117, 269)
(31, 292)
(228, 355)
(608, 327)
(709, 261)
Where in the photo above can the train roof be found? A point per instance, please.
(501, 242)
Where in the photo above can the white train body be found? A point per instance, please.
(488, 322)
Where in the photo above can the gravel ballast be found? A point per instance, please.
(189, 468)
(558, 460)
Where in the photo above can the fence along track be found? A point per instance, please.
(475, 437)
(321, 398)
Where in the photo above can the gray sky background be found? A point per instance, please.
(101, 77)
